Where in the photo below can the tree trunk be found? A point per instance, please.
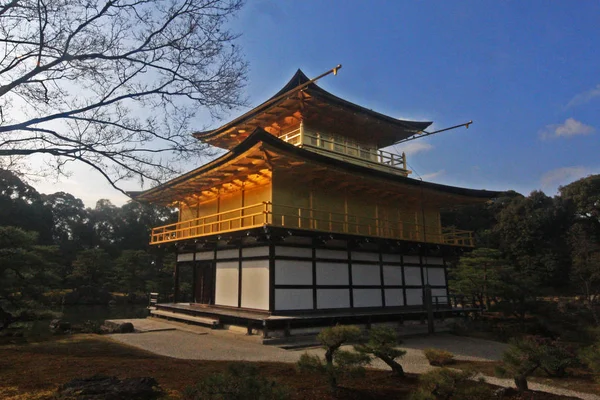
(397, 368)
(521, 383)
(331, 369)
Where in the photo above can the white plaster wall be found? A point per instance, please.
(226, 288)
(332, 273)
(436, 276)
(229, 253)
(293, 299)
(365, 274)
(392, 258)
(392, 275)
(185, 257)
(288, 272)
(362, 256)
(332, 254)
(255, 284)
(255, 251)
(433, 261)
(333, 298)
(413, 276)
(293, 251)
(414, 297)
(394, 297)
(205, 255)
(412, 260)
(367, 297)
(442, 296)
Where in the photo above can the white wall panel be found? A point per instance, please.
(255, 251)
(226, 290)
(412, 260)
(333, 298)
(332, 273)
(332, 254)
(412, 275)
(442, 296)
(414, 297)
(392, 275)
(293, 251)
(205, 255)
(362, 256)
(365, 274)
(367, 297)
(436, 276)
(229, 253)
(392, 258)
(394, 297)
(288, 272)
(293, 299)
(185, 257)
(255, 284)
(433, 260)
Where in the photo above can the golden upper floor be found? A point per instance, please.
(266, 181)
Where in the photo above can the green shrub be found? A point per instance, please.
(382, 344)
(240, 382)
(526, 355)
(449, 384)
(337, 362)
(438, 357)
(591, 358)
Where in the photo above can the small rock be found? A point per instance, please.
(112, 327)
(504, 392)
(126, 327)
(58, 325)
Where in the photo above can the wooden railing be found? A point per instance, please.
(227, 221)
(267, 213)
(329, 143)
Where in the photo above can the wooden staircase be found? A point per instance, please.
(210, 322)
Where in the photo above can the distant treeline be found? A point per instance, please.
(533, 247)
(55, 250)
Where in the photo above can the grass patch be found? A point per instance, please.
(54, 362)
(33, 370)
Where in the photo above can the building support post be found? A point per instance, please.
(429, 307)
(176, 276)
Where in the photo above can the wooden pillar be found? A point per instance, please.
(176, 276)
(429, 308)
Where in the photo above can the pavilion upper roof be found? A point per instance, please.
(312, 104)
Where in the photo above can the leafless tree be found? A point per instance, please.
(115, 84)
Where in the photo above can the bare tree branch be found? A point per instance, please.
(115, 84)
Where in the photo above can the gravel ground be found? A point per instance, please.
(227, 346)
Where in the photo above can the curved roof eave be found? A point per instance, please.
(300, 78)
(260, 135)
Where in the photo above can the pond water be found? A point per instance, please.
(95, 313)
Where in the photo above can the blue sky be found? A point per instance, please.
(527, 74)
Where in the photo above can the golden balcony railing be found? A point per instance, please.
(267, 213)
(349, 150)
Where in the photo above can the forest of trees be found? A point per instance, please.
(55, 250)
(532, 248)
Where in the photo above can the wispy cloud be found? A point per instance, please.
(562, 176)
(571, 127)
(584, 97)
(414, 147)
(433, 175)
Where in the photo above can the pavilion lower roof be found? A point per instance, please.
(253, 161)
